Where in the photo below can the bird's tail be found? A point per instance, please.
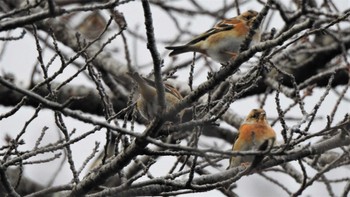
(178, 49)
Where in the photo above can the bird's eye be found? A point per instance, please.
(256, 115)
(248, 17)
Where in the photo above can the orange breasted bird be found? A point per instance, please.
(254, 133)
(147, 103)
(222, 42)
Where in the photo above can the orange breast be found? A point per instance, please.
(259, 131)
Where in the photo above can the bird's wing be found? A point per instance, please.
(171, 89)
(218, 28)
(167, 87)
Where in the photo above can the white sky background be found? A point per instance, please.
(20, 57)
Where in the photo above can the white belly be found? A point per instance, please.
(223, 50)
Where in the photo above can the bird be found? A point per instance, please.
(147, 104)
(255, 133)
(222, 42)
(92, 25)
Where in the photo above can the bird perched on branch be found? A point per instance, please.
(147, 103)
(255, 133)
(222, 42)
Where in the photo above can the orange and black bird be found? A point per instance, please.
(255, 133)
(222, 42)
